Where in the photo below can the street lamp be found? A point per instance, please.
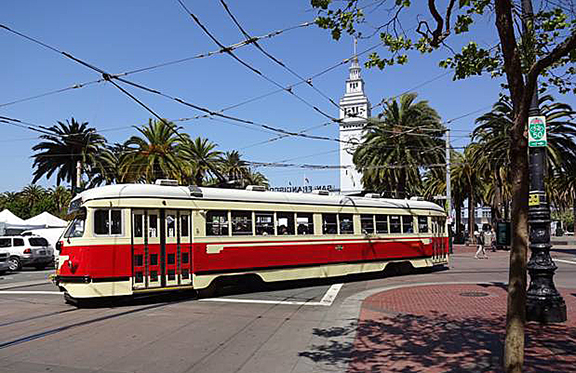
(543, 302)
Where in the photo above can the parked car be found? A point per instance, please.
(4, 255)
(32, 251)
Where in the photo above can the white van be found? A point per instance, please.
(33, 251)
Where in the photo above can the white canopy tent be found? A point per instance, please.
(46, 220)
(11, 224)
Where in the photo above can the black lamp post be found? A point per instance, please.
(543, 302)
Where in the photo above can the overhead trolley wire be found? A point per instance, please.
(251, 68)
(163, 64)
(257, 45)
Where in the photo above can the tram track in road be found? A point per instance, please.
(249, 324)
(48, 332)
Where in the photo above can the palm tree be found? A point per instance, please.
(69, 144)
(492, 136)
(153, 155)
(405, 138)
(61, 197)
(32, 194)
(256, 178)
(234, 168)
(202, 159)
(468, 182)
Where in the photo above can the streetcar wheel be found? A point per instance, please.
(14, 264)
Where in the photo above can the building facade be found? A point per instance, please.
(354, 111)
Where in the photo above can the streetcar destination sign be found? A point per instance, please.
(537, 131)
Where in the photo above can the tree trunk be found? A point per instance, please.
(516, 307)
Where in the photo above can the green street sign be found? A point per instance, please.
(537, 131)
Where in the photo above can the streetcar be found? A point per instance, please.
(137, 238)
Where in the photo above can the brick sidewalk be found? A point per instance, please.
(457, 328)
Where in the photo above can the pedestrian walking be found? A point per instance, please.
(480, 242)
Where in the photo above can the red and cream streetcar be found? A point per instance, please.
(128, 239)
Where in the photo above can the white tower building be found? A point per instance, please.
(354, 110)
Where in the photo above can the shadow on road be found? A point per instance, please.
(439, 342)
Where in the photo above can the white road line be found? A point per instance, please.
(260, 301)
(30, 292)
(564, 261)
(331, 294)
(326, 301)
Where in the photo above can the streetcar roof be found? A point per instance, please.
(241, 195)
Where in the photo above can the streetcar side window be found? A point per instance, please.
(381, 223)
(285, 222)
(153, 225)
(346, 224)
(329, 224)
(138, 225)
(184, 225)
(171, 226)
(241, 223)
(422, 224)
(395, 224)
(367, 223)
(305, 223)
(217, 223)
(264, 223)
(108, 222)
(408, 224)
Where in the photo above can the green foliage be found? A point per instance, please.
(550, 26)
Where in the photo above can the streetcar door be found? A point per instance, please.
(184, 257)
(139, 250)
(434, 238)
(154, 248)
(170, 245)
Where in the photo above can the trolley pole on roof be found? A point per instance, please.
(543, 302)
(448, 189)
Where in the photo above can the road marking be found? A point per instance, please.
(564, 261)
(30, 292)
(326, 301)
(331, 294)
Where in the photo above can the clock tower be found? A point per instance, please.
(354, 112)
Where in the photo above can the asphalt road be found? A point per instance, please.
(270, 329)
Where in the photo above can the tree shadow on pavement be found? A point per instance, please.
(410, 343)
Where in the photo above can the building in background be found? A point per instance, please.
(354, 112)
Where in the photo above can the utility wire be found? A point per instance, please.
(254, 70)
(257, 45)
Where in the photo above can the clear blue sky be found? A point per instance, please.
(119, 36)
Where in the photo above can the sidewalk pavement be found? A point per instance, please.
(441, 327)
(454, 327)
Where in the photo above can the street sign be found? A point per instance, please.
(537, 131)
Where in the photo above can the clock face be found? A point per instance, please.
(352, 145)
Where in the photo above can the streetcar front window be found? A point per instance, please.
(76, 228)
